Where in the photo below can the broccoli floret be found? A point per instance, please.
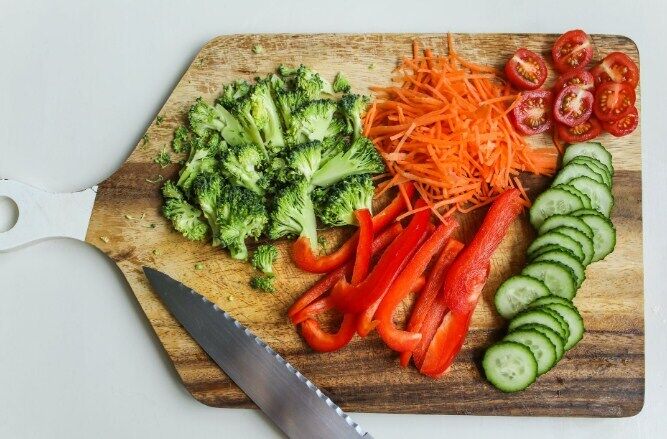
(352, 107)
(336, 204)
(185, 218)
(331, 146)
(207, 188)
(181, 141)
(204, 117)
(202, 159)
(170, 190)
(241, 166)
(263, 283)
(360, 158)
(307, 80)
(303, 160)
(233, 92)
(293, 213)
(163, 158)
(264, 257)
(240, 214)
(288, 102)
(265, 114)
(341, 84)
(315, 121)
(277, 83)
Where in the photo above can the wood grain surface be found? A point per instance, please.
(602, 376)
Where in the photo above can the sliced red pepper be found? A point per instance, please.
(305, 259)
(323, 341)
(323, 285)
(430, 291)
(362, 259)
(470, 266)
(395, 338)
(356, 298)
(428, 329)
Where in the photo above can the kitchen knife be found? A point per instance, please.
(289, 399)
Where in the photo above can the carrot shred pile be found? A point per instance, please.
(446, 129)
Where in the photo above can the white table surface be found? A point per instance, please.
(79, 82)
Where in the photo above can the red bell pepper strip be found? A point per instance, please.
(323, 341)
(356, 298)
(327, 282)
(431, 289)
(428, 329)
(461, 281)
(362, 260)
(393, 337)
(305, 259)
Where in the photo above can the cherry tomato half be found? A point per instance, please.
(623, 126)
(572, 51)
(580, 78)
(616, 67)
(526, 70)
(583, 132)
(613, 101)
(532, 115)
(573, 105)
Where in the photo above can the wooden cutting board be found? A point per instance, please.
(602, 376)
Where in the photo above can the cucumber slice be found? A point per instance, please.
(582, 212)
(546, 249)
(574, 191)
(553, 202)
(556, 238)
(572, 318)
(604, 235)
(559, 318)
(548, 300)
(601, 198)
(516, 293)
(574, 170)
(558, 278)
(568, 259)
(589, 149)
(597, 167)
(541, 316)
(565, 220)
(553, 336)
(585, 241)
(539, 344)
(509, 366)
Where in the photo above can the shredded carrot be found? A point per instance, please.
(444, 126)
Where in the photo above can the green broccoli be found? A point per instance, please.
(277, 83)
(307, 80)
(336, 204)
(332, 146)
(288, 102)
(240, 214)
(315, 121)
(170, 190)
(185, 218)
(163, 158)
(207, 187)
(263, 283)
(202, 159)
(303, 160)
(341, 84)
(241, 166)
(266, 116)
(233, 92)
(264, 257)
(204, 117)
(352, 107)
(181, 140)
(293, 213)
(360, 158)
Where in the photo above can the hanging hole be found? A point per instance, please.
(9, 214)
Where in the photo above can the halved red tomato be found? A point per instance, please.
(613, 101)
(532, 115)
(616, 67)
(572, 51)
(623, 126)
(580, 78)
(573, 106)
(526, 70)
(583, 132)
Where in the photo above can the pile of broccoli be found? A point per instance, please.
(270, 159)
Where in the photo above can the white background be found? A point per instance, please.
(80, 81)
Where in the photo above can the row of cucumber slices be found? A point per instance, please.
(574, 230)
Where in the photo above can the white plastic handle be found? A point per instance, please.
(44, 215)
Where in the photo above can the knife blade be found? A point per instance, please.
(288, 398)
